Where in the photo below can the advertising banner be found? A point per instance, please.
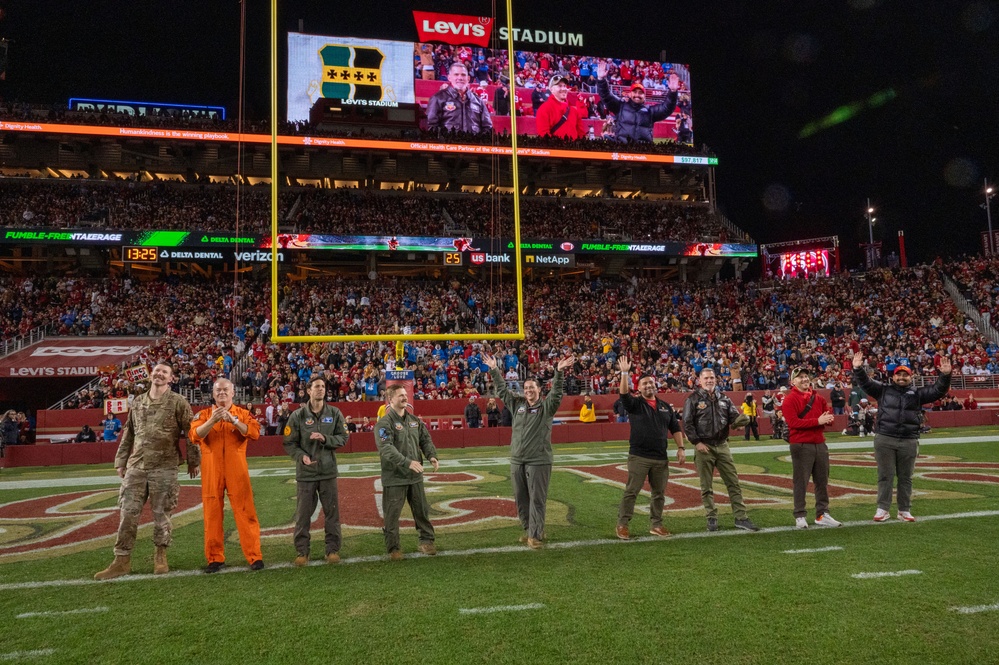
(67, 357)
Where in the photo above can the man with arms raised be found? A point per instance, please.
(403, 443)
(707, 417)
(653, 421)
(531, 456)
(896, 434)
(223, 432)
(147, 460)
(634, 120)
(313, 433)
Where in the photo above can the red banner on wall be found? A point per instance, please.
(453, 28)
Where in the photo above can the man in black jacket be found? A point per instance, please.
(456, 107)
(896, 438)
(634, 119)
(473, 414)
(652, 423)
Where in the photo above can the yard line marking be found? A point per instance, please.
(18, 655)
(975, 609)
(90, 610)
(871, 576)
(503, 549)
(501, 608)
(466, 463)
(832, 548)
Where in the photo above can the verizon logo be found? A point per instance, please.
(453, 28)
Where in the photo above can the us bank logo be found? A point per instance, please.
(352, 72)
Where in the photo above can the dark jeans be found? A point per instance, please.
(326, 493)
(657, 472)
(895, 457)
(755, 426)
(810, 459)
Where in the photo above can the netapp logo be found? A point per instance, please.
(257, 256)
(548, 260)
(478, 258)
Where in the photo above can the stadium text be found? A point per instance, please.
(543, 37)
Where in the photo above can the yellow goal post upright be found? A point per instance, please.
(518, 265)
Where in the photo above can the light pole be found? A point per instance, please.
(990, 243)
(870, 231)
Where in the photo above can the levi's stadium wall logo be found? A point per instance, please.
(352, 72)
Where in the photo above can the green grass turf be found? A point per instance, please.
(729, 599)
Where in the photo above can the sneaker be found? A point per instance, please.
(622, 532)
(301, 560)
(214, 566)
(905, 516)
(332, 557)
(427, 548)
(800, 523)
(746, 525)
(257, 565)
(534, 544)
(825, 519)
(712, 524)
(881, 515)
(660, 531)
(395, 555)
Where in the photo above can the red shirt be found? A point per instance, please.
(807, 429)
(551, 112)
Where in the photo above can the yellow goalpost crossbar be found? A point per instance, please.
(518, 266)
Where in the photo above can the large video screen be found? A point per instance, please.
(665, 91)
(789, 265)
(365, 72)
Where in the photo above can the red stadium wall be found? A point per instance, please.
(440, 414)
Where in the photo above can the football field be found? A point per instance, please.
(925, 592)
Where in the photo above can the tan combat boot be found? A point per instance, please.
(122, 565)
(160, 561)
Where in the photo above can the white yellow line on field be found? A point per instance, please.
(897, 573)
(501, 608)
(833, 548)
(502, 549)
(86, 610)
(975, 609)
(21, 655)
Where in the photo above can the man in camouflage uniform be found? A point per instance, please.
(403, 442)
(147, 460)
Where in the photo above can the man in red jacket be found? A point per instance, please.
(806, 414)
(557, 116)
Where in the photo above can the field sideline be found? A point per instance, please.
(895, 592)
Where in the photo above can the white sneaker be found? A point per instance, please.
(825, 519)
(881, 516)
(800, 523)
(906, 516)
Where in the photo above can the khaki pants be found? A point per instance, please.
(393, 500)
(162, 489)
(309, 491)
(719, 457)
(530, 491)
(640, 469)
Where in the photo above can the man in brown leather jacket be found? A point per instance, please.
(456, 108)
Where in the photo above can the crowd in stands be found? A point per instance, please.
(978, 279)
(158, 205)
(753, 334)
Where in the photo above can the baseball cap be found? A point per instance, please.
(902, 368)
(798, 371)
(783, 389)
(864, 401)
(558, 78)
(636, 86)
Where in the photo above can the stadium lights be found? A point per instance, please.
(990, 244)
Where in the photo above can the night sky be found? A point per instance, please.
(914, 87)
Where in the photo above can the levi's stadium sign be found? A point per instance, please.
(453, 28)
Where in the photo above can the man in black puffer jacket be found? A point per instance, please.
(633, 119)
(896, 438)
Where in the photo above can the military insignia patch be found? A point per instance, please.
(449, 106)
(383, 433)
(328, 419)
(702, 405)
(287, 430)
(310, 421)
(522, 410)
(398, 427)
(414, 424)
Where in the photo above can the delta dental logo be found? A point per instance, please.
(479, 258)
(453, 28)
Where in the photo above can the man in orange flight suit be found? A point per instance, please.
(222, 432)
